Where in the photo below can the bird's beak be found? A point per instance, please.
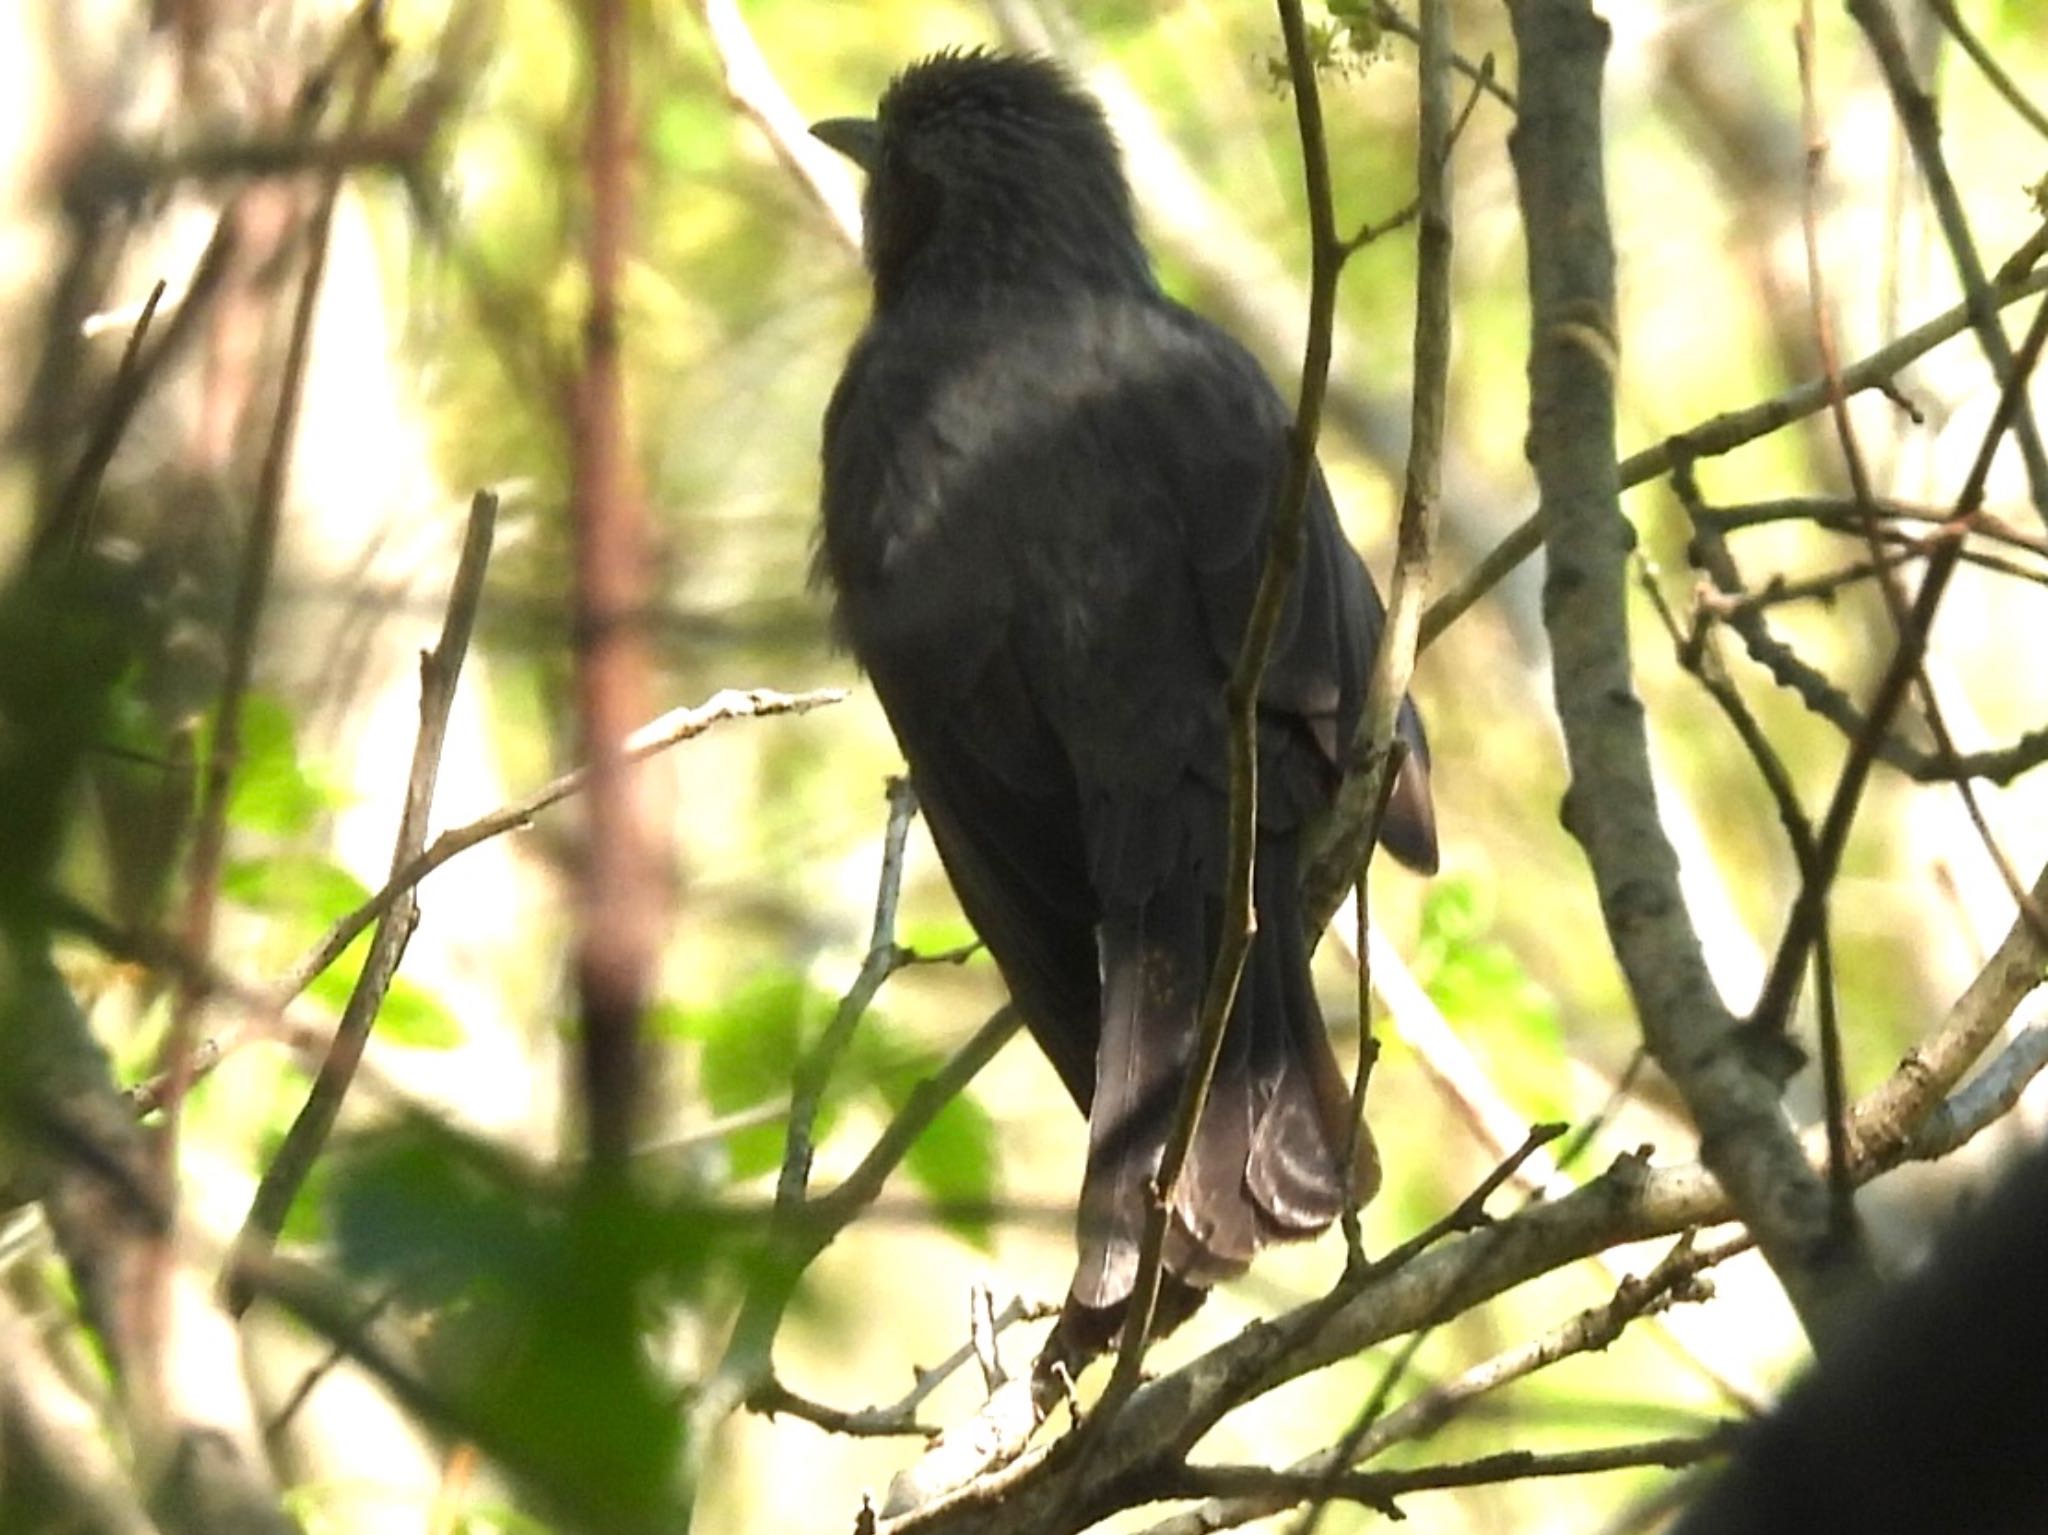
(857, 138)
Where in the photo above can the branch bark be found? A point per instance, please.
(1611, 804)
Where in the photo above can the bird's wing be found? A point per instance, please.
(925, 599)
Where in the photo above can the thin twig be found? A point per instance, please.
(808, 1081)
(1917, 115)
(1387, 15)
(748, 1355)
(1378, 1489)
(1987, 62)
(657, 735)
(1675, 1279)
(1782, 980)
(1333, 865)
(440, 670)
(1284, 538)
(1723, 434)
(900, 1416)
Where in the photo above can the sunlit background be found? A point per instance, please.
(452, 303)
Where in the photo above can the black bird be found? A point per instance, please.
(1046, 490)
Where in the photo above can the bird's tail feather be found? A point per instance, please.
(1264, 1165)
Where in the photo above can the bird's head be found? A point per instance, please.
(990, 170)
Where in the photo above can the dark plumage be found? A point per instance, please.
(1046, 487)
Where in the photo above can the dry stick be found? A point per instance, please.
(1781, 983)
(657, 735)
(1674, 1280)
(1837, 514)
(440, 670)
(73, 517)
(900, 1416)
(1917, 115)
(1378, 1489)
(1894, 592)
(1723, 434)
(1834, 1091)
(209, 837)
(1282, 556)
(1987, 63)
(751, 86)
(747, 1364)
(1611, 804)
(1335, 865)
(884, 957)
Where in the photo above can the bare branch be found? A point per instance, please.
(440, 670)
(1723, 434)
(1917, 115)
(657, 735)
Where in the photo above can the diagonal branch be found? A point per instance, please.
(440, 669)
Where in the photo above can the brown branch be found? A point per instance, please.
(1839, 515)
(900, 1416)
(1631, 1202)
(1336, 863)
(623, 886)
(1813, 688)
(1284, 537)
(1987, 64)
(440, 670)
(1672, 1281)
(1378, 1489)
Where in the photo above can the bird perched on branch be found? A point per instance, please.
(1046, 494)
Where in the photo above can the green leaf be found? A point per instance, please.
(751, 1042)
(539, 1349)
(954, 1160)
(273, 792)
(1482, 987)
(413, 1016)
(410, 1015)
(302, 885)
